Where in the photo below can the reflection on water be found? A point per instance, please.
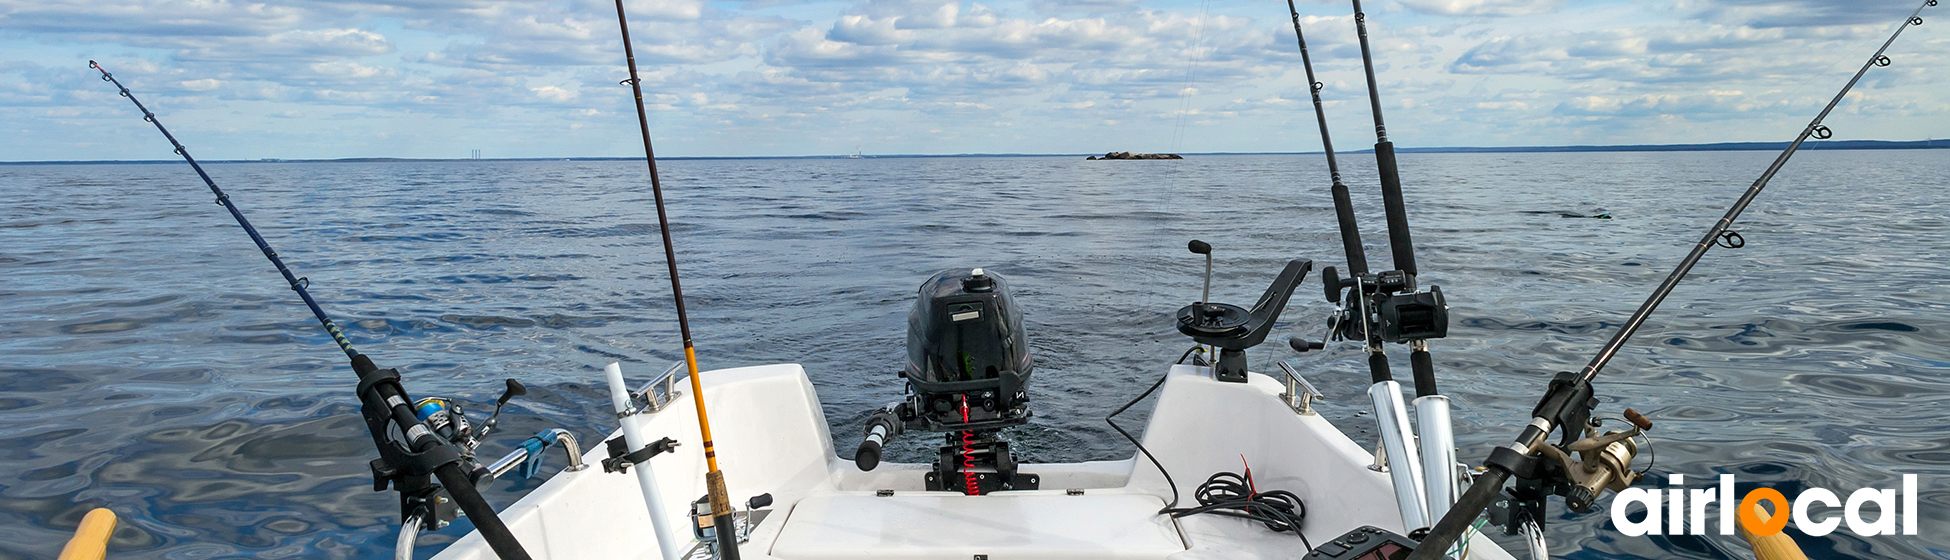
(155, 363)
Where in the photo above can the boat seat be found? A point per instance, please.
(1003, 526)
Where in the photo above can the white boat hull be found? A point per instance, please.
(772, 437)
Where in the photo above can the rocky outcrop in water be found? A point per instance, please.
(1129, 155)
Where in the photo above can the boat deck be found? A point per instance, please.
(1041, 524)
(772, 438)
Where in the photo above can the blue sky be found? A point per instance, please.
(437, 78)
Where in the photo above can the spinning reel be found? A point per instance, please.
(1581, 467)
(424, 504)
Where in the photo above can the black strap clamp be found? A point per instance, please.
(620, 459)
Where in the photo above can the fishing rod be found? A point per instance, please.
(721, 509)
(1354, 321)
(384, 403)
(1569, 400)
(1409, 316)
(1384, 155)
(1401, 245)
(1357, 258)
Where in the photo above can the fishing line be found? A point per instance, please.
(1191, 76)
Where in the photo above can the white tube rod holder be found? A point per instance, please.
(646, 477)
(1404, 463)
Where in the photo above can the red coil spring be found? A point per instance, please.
(968, 452)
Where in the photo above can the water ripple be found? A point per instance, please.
(158, 366)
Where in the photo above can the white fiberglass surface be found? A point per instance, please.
(772, 438)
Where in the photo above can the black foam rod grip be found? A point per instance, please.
(492, 529)
(1378, 367)
(1424, 368)
(727, 536)
(1357, 258)
(363, 365)
(1199, 247)
(1396, 210)
(1484, 490)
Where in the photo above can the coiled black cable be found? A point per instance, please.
(1232, 495)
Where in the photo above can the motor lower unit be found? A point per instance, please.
(968, 367)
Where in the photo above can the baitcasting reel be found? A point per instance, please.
(968, 367)
(1390, 303)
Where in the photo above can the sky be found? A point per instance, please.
(237, 79)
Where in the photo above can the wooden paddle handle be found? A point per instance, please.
(90, 540)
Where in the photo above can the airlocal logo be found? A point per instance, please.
(1680, 501)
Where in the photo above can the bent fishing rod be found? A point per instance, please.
(384, 403)
(721, 509)
(1570, 398)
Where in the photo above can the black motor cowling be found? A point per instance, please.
(965, 343)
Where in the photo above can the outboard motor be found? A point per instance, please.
(968, 367)
(965, 344)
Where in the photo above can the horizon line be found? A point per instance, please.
(1707, 147)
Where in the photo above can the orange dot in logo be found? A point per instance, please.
(1753, 523)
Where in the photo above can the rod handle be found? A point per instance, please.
(1423, 367)
(482, 514)
(1400, 243)
(1487, 487)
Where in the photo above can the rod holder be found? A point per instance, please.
(1438, 453)
(1404, 468)
(646, 476)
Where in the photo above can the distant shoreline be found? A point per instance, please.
(1716, 147)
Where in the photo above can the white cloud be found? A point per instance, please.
(777, 76)
(1485, 7)
(1798, 13)
(304, 44)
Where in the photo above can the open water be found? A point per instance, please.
(152, 362)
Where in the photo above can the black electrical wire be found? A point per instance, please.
(1232, 495)
(1147, 453)
(1187, 354)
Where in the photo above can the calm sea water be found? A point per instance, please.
(155, 364)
